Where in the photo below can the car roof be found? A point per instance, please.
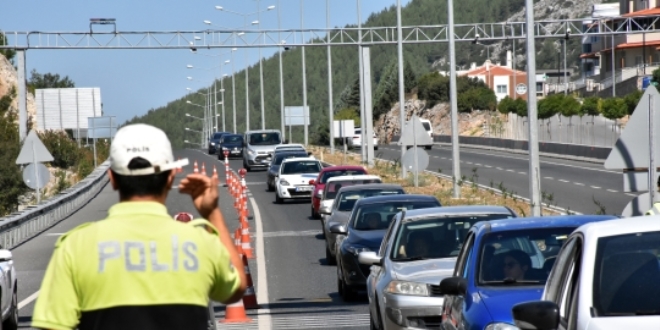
(371, 186)
(396, 198)
(621, 226)
(263, 131)
(343, 168)
(297, 159)
(459, 210)
(294, 153)
(290, 146)
(539, 222)
(353, 177)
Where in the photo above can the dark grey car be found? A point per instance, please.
(343, 205)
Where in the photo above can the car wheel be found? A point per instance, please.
(278, 199)
(372, 324)
(375, 147)
(269, 187)
(347, 293)
(428, 147)
(339, 287)
(11, 323)
(329, 258)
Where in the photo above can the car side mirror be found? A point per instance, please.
(311, 182)
(5, 255)
(454, 286)
(369, 258)
(338, 229)
(533, 315)
(325, 210)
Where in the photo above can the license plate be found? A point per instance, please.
(235, 152)
(301, 189)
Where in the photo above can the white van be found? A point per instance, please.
(429, 129)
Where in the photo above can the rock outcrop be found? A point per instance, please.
(9, 80)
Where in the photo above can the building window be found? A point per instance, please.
(501, 89)
(539, 87)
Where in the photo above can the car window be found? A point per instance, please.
(626, 275)
(331, 174)
(267, 138)
(444, 234)
(379, 216)
(217, 136)
(559, 270)
(519, 257)
(386, 238)
(281, 157)
(427, 126)
(301, 167)
(464, 256)
(347, 199)
(232, 139)
(330, 191)
(568, 285)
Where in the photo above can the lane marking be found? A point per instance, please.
(499, 168)
(578, 184)
(510, 170)
(469, 163)
(595, 187)
(612, 190)
(549, 178)
(488, 166)
(564, 181)
(523, 173)
(264, 318)
(28, 300)
(478, 164)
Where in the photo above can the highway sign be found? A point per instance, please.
(637, 206)
(33, 150)
(521, 89)
(343, 128)
(36, 178)
(408, 160)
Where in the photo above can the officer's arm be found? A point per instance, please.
(218, 221)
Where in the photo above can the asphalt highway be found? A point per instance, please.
(574, 185)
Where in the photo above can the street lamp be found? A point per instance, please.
(476, 42)
(261, 69)
(564, 41)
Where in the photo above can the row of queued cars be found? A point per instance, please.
(425, 266)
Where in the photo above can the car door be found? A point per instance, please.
(563, 285)
(452, 314)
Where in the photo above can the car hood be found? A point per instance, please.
(269, 149)
(232, 145)
(366, 238)
(295, 179)
(430, 271)
(500, 300)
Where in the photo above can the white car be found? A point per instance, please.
(8, 295)
(606, 276)
(356, 140)
(293, 179)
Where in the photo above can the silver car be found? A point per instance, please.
(418, 251)
(343, 205)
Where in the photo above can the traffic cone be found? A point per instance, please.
(235, 313)
(203, 169)
(237, 241)
(195, 168)
(245, 243)
(250, 296)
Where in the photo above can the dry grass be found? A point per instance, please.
(442, 188)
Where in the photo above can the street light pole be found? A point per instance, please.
(644, 48)
(304, 69)
(566, 73)
(453, 92)
(330, 106)
(402, 97)
(261, 70)
(233, 89)
(363, 118)
(279, 37)
(534, 167)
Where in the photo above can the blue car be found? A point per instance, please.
(503, 263)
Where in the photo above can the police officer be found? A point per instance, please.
(138, 268)
(655, 209)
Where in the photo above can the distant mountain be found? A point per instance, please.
(422, 58)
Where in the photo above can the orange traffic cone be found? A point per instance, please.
(203, 169)
(245, 243)
(235, 313)
(237, 241)
(195, 168)
(250, 296)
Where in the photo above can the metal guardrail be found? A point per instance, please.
(18, 227)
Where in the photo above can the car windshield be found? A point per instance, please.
(378, 216)
(626, 275)
(331, 189)
(265, 139)
(437, 237)
(232, 139)
(427, 126)
(347, 199)
(522, 257)
(281, 157)
(331, 174)
(301, 167)
(217, 136)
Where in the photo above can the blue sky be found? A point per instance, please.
(135, 81)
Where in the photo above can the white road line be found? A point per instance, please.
(578, 184)
(443, 157)
(564, 181)
(612, 190)
(262, 280)
(549, 178)
(595, 187)
(488, 166)
(469, 163)
(436, 156)
(523, 173)
(28, 300)
(499, 168)
(509, 170)
(478, 164)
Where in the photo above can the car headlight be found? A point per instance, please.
(501, 326)
(356, 249)
(224, 148)
(408, 288)
(251, 152)
(283, 182)
(212, 143)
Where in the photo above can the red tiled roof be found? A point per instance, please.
(496, 70)
(644, 12)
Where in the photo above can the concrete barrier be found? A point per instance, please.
(21, 226)
(559, 149)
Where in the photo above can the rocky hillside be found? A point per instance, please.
(8, 81)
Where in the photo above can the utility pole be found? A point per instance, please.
(453, 96)
(534, 167)
(330, 106)
(402, 96)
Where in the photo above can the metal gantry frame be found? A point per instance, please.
(364, 36)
